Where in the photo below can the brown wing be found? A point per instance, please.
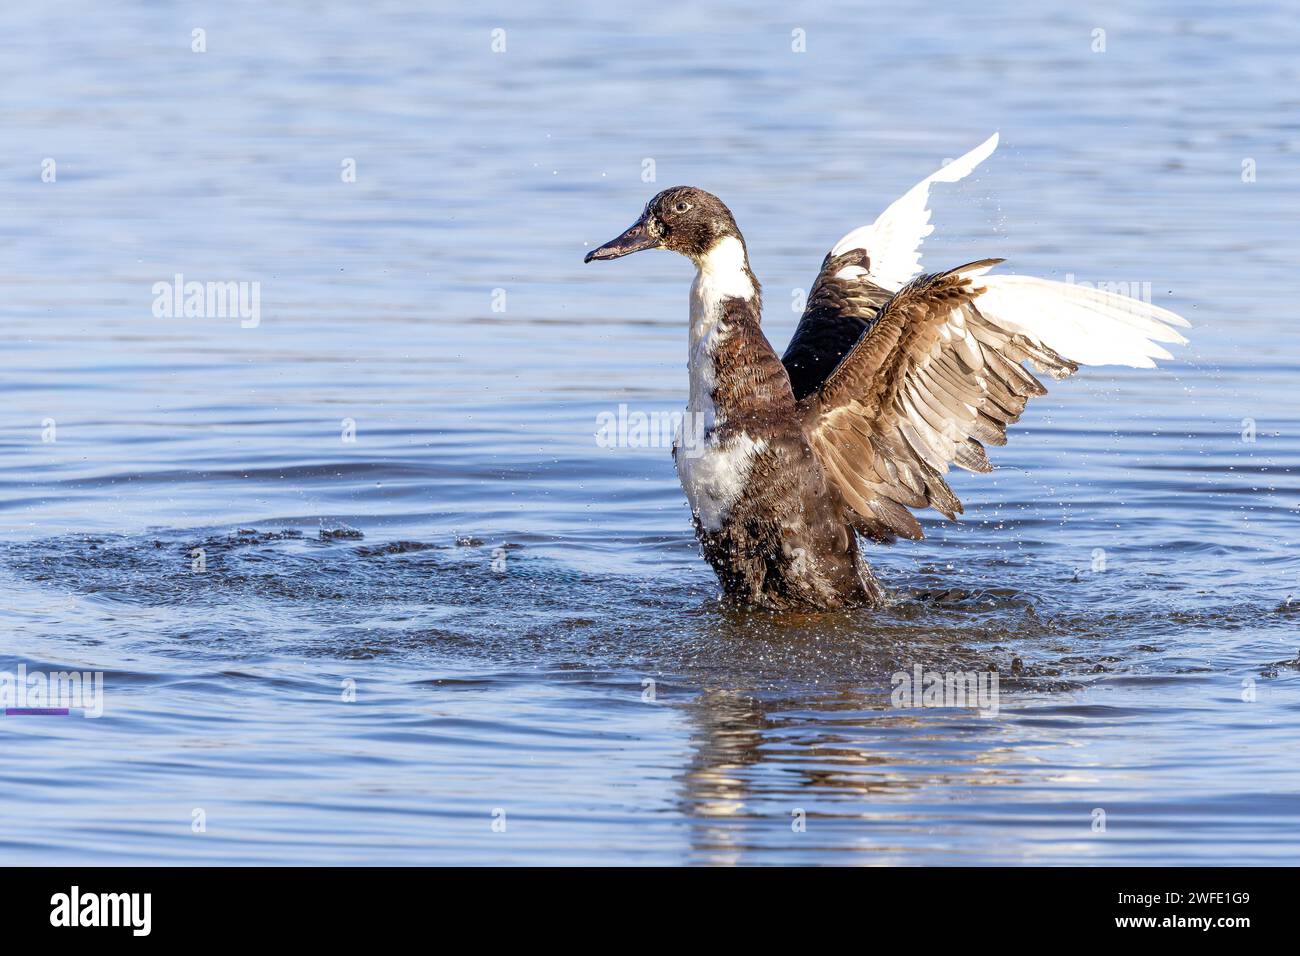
(841, 306)
(928, 382)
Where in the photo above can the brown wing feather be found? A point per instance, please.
(926, 384)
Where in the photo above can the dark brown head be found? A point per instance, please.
(683, 219)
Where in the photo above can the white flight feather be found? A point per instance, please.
(1085, 325)
(893, 241)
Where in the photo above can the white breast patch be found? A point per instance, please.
(714, 479)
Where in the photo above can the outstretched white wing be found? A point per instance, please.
(893, 242)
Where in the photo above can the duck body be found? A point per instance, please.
(890, 378)
(768, 520)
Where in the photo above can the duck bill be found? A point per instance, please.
(636, 238)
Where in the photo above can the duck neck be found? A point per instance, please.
(726, 309)
(721, 273)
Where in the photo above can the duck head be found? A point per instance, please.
(683, 219)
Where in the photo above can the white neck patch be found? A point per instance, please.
(723, 272)
(714, 476)
(721, 275)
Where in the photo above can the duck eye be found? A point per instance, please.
(682, 206)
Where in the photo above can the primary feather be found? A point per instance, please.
(893, 241)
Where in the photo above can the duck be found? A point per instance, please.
(891, 378)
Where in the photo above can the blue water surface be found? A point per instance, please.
(435, 622)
